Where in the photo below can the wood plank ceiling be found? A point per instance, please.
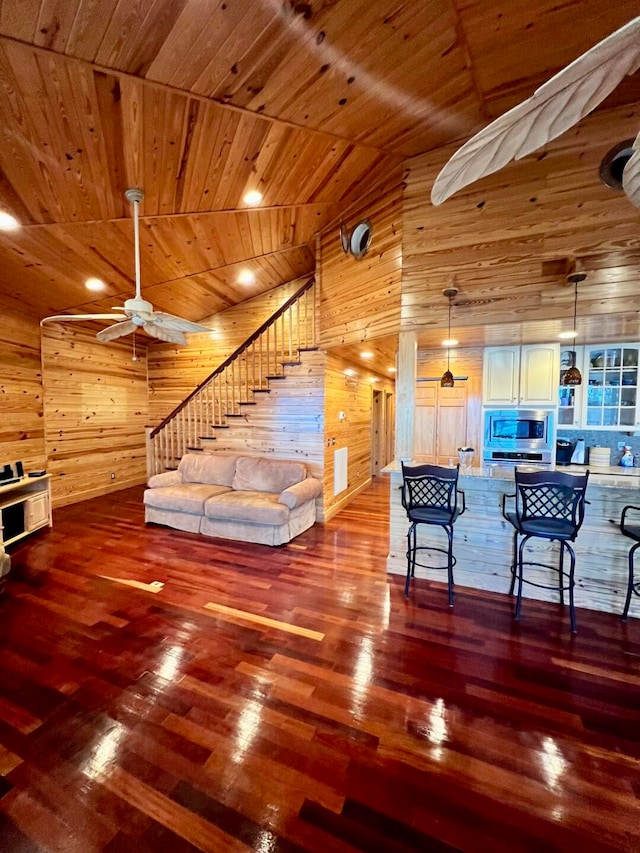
(198, 102)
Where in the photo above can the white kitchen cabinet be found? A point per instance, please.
(570, 397)
(521, 375)
(611, 378)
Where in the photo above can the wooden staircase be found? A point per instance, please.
(223, 396)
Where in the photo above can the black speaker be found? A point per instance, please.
(19, 469)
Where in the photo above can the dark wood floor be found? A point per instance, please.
(291, 699)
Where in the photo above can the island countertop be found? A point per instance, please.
(483, 538)
(609, 477)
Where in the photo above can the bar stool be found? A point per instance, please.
(548, 505)
(633, 532)
(430, 496)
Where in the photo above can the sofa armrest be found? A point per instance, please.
(167, 478)
(300, 492)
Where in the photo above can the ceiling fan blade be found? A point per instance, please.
(116, 331)
(553, 108)
(55, 318)
(631, 175)
(172, 336)
(170, 321)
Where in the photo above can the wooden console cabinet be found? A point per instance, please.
(25, 506)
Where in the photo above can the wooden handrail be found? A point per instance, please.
(274, 317)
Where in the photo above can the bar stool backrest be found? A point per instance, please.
(551, 495)
(431, 486)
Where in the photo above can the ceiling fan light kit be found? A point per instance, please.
(137, 312)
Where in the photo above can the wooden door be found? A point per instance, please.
(451, 423)
(440, 422)
(377, 433)
(424, 428)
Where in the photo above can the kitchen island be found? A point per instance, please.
(483, 539)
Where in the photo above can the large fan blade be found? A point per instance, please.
(170, 321)
(172, 336)
(631, 175)
(116, 331)
(553, 108)
(58, 317)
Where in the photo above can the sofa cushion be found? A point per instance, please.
(187, 497)
(215, 468)
(254, 507)
(266, 475)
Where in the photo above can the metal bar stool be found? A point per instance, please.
(548, 505)
(430, 496)
(633, 532)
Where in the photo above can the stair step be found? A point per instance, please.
(207, 438)
(195, 449)
(290, 363)
(308, 349)
(233, 415)
(247, 403)
(279, 376)
(219, 426)
(261, 391)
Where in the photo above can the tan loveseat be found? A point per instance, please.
(235, 497)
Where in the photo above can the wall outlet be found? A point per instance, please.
(113, 476)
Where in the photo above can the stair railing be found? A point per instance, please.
(220, 396)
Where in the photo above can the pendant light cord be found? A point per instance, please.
(449, 339)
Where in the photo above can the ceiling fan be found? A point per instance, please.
(553, 108)
(137, 312)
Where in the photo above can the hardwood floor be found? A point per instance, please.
(160, 691)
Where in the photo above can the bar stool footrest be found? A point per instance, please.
(551, 568)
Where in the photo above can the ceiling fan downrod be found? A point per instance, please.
(135, 196)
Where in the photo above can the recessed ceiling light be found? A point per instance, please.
(391, 369)
(253, 198)
(366, 355)
(374, 379)
(246, 277)
(94, 284)
(450, 342)
(350, 372)
(8, 222)
(566, 336)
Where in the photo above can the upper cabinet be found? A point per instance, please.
(521, 375)
(608, 397)
(611, 378)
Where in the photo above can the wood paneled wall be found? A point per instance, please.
(501, 238)
(95, 402)
(353, 396)
(175, 371)
(464, 362)
(360, 299)
(21, 412)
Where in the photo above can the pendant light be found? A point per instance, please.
(573, 376)
(447, 376)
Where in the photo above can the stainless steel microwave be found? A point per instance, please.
(519, 431)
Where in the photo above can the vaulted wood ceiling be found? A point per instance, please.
(197, 102)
